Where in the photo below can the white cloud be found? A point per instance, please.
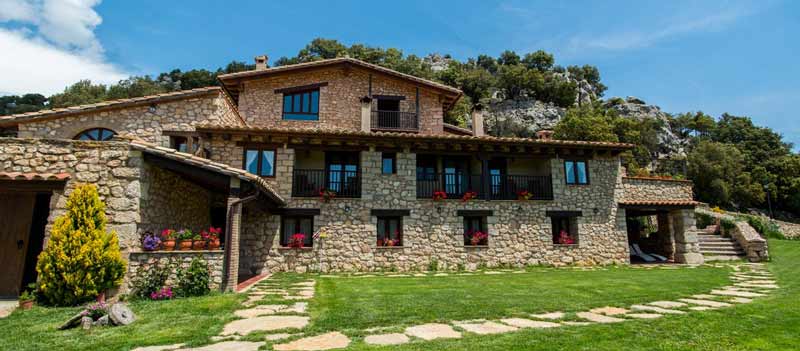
(51, 46)
(632, 39)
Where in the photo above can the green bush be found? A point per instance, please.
(81, 260)
(150, 280)
(194, 280)
(727, 225)
(703, 220)
(766, 228)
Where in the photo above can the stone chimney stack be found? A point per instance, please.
(477, 121)
(261, 62)
(545, 134)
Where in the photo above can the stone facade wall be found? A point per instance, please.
(141, 263)
(638, 188)
(112, 166)
(176, 116)
(339, 101)
(169, 201)
(520, 231)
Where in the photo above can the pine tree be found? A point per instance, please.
(81, 260)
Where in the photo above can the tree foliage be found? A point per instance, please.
(81, 260)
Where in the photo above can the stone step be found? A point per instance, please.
(720, 245)
(714, 238)
(723, 252)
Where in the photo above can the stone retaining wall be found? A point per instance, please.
(653, 189)
(748, 238)
(141, 262)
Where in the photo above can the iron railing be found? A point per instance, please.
(497, 187)
(309, 182)
(395, 120)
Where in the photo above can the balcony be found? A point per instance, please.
(395, 121)
(309, 182)
(499, 187)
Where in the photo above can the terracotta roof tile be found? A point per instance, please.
(207, 164)
(659, 203)
(658, 179)
(34, 176)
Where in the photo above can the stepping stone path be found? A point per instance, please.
(335, 340)
(749, 281)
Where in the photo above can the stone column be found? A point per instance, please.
(366, 114)
(477, 121)
(232, 245)
(665, 234)
(687, 247)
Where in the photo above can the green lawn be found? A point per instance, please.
(360, 303)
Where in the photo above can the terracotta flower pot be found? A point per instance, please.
(213, 244)
(168, 245)
(198, 244)
(185, 245)
(26, 304)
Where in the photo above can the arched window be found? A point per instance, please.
(96, 134)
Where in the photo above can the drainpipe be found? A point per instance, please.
(229, 225)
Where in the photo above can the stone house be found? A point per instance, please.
(333, 165)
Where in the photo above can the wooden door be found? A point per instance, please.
(16, 213)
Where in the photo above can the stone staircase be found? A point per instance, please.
(716, 247)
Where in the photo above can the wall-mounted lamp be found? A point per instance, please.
(152, 108)
(519, 208)
(347, 208)
(596, 210)
(439, 209)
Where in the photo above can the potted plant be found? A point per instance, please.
(28, 297)
(185, 237)
(150, 241)
(198, 242)
(212, 238)
(326, 195)
(469, 195)
(565, 239)
(478, 238)
(297, 240)
(168, 239)
(524, 195)
(439, 195)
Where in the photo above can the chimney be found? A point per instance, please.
(545, 134)
(261, 62)
(477, 121)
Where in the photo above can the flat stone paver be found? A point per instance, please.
(259, 310)
(667, 304)
(656, 309)
(736, 293)
(598, 318)
(754, 285)
(644, 315)
(486, 328)
(308, 283)
(329, 341)
(432, 331)
(527, 323)
(704, 297)
(159, 348)
(387, 339)
(550, 316)
(279, 336)
(573, 323)
(609, 311)
(493, 272)
(230, 346)
(706, 303)
(702, 308)
(266, 323)
(741, 300)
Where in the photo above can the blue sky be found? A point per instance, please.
(716, 56)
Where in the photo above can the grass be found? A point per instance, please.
(359, 303)
(190, 320)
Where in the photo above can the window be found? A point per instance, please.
(303, 105)
(260, 162)
(475, 231)
(388, 163)
(96, 134)
(390, 231)
(388, 105)
(576, 172)
(565, 230)
(291, 225)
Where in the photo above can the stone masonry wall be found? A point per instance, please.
(520, 231)
(141, 263)
(169, 201)
(339, 101)
(179, 115)
(639, 188)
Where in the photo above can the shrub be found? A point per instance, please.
(727, 225)
(766, 228)
(151, 280)
(81, 259)
(703, 220)
(194, 280)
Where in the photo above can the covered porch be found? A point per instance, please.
(662, 232)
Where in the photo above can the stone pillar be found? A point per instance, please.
(665, 234)
(232, 245)
(477, 121)
(366, 114)
(687, 247)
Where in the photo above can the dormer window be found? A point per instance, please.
(301, 105)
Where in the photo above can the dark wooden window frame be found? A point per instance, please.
(575, 171)
(258, 163)
(483, 223)
(572, 227)
(298, 92)
(100, 133)
(387, 224)
(393, 157)
(284, 240)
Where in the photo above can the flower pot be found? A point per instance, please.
(25, 304)
(168, 245)
(198, 244)
(185, 245)
(213, 244)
